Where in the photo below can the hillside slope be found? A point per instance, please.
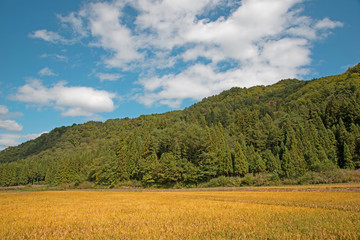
(287, 129)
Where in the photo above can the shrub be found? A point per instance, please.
(128, 184)
(247, 180)
(86, 185)
(221, 181)
(313, 178)
(66, 186)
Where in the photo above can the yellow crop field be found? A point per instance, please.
(322, 214)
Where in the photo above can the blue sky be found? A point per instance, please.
(65, 62)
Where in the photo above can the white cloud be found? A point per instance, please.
(57, 57)
(108, 76)
(82, 101)
(75, 21)
(3, 110)
(327, 23)
(46, 72)
(286, 53)
(10, 125)
(260, 42)
(111, 35)
(302, 27)
(48, 36)
(201, 81)
(7, 140)
(71, 101)
(34, 92)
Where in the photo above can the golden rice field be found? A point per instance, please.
(319, 213)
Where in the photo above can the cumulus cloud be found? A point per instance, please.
(202, 50)
(71, 101)
(10, 125)
(111, 34)
(327, 23)
(201, 80)
(46, 72)
(7, 140)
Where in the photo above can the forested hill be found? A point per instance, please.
(286, 129)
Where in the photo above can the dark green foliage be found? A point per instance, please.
(285, 130)
(239, 163)
(272, 162)
(348, 163)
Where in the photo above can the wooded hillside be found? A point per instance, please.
(286, 129)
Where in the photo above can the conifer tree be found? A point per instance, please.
(287, 164)
(63, 173)
(227, 161)
(259, 164)
(256, 163)
(123, 165)
(272, 163)
(240, 164)
(348, 163)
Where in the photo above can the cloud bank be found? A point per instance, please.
(193, 49)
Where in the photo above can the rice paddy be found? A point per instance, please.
(263, 213)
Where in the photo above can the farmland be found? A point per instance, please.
(327, 212)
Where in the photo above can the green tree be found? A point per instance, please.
(240, 165)
(272, 163)
(287, 163)
(348, 163)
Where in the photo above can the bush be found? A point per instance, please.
(128, 184)
(275, 177)
(334, 176)
(247, 180)
(66, 186)
(355, 175)
(313, 178)
(266, 179)
(343, 176)
(236, 181)
(323, 167)
(86, 185)
(290, 181)
(222, 181)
